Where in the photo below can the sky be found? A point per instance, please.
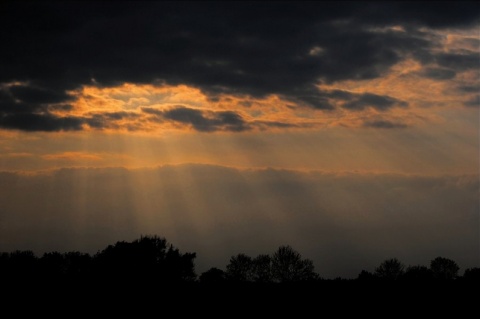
(349, 131)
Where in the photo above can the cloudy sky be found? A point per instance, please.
(349, 131)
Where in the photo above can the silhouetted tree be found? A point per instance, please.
(147, 258)
(212, 276)
(179, 267)
(390, 269)
(262, 268)
(4, 266)
(52, 265)
(337, 279)
(418, 273)
(23, 264)
(240, 268)
(366, 276)
(472, 274)
(444, 268)
(288, 266)
(153, 259)
(77, 264)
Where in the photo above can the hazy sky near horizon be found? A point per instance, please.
(347, 130)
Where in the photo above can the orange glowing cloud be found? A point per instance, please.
(72, 156)
(146, 108)
(410, 93)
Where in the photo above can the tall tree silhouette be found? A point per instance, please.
(147, 258)
(288, 266)
(262, 268)
(444, 268)
(178, 266)
(240, 268)
(390, 269)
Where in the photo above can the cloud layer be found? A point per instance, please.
(236, 49)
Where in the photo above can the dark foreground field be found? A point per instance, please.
(320, 299)
(150, 276)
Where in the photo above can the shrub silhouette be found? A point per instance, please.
(212, 276)
(288, 266)
(472, 274)
(366, 276)
(390, 269)
(444, 268)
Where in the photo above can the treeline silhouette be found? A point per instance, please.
(151, 259)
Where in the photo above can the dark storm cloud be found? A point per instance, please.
(276, 124)
(438, 73)
(360, 101)
(254, 49)
(438, 14)
(33, 95)
(9, 103)
(150, 110)
(312, 97)
(469, 88)
(40, 122)
(373, 100)
(108, 119)
(203, 121)
(28, 108)
(460, 62)
(384, 124)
